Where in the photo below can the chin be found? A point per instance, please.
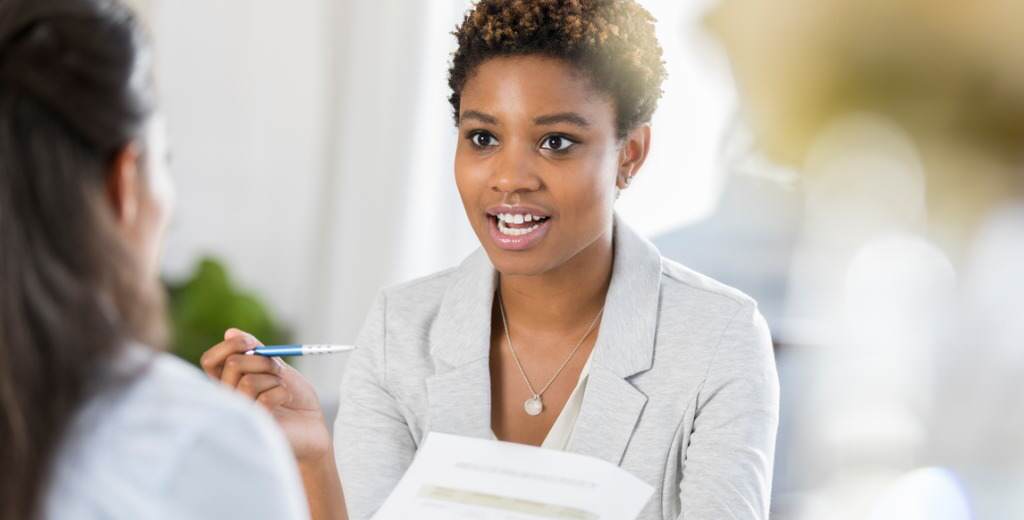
(522, 263)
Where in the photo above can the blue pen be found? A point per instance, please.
(297, 350)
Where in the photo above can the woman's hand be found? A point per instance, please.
(277, 387)
(293, 403)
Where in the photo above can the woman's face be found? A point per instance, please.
(154, 193)
(537, 162)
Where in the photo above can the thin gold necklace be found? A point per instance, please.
(535, 404)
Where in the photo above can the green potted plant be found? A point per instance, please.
(206, 304)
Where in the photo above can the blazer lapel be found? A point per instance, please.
(625, 347)
(459, 392)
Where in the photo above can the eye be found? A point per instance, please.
(557, 143)
(482, 139)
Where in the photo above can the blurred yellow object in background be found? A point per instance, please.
(938, 68)
(905, 119)
(949, 74)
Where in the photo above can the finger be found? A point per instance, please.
(280, 363)
(212, 361)
(252, 385)
(277, 396)
(237, 333)
(238, 365)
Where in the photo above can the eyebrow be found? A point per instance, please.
(563, 117)
(479, 116)
(551, 119)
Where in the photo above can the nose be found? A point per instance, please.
(514, 172)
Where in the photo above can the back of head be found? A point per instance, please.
(75, 89)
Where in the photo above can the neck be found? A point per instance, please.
(565, 297)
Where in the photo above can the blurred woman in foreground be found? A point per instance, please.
(95, 422)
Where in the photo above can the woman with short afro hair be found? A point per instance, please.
(567, 329)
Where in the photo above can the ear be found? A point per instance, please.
(632, 154)
(123, 185)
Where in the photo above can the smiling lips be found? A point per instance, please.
(516, 229)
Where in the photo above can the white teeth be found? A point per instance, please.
(520, 218)
(515, 232)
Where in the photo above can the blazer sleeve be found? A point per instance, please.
(372, 441)
(727, 468)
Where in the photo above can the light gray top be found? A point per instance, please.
(171, 444)
(682, 390)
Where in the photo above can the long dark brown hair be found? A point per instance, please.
(75, 90)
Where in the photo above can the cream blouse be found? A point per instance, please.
(560, 434)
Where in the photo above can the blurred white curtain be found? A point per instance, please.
(390, 209)
(244, 87)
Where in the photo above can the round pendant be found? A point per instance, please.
(533, 405)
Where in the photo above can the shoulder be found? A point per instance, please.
(722, 324)
(134, 442)
(188, 399)
(681, 281)
(715, 335)
(421, 294)
(407, 308)
(414, 306)
(172, 406)
(704, 303)
(234, 447)
(402, 315)
(228, 428)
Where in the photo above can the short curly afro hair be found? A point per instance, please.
(612, 41)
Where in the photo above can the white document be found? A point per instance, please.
(456, 478)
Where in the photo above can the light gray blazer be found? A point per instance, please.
(683, 391)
